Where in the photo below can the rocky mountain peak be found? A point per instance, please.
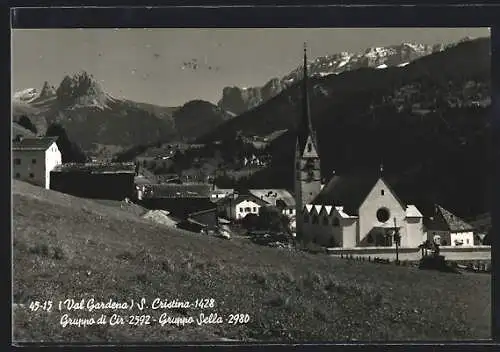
(47, 90)
(80, 88)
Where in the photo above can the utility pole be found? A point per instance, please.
(397, 238)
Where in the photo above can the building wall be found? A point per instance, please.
(368, 213)
(349, 232)
(467, 239)
(415, 234)
(444, 235)
(53, 158)
(27, 170)
(115, 186)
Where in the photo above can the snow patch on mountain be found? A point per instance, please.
(25, 95)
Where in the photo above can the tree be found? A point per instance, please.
(26, 123)
(271, 218)
(70, 151)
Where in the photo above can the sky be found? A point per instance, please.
(148, 65)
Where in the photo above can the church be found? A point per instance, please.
(350, 211)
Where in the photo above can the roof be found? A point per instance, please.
(276, 193)
(242, 197)
(172, 190)
(350, 191)
(455, 224)
(33, 143)
(222, 191)
(200, 212)
(413, 212)
(96, 168)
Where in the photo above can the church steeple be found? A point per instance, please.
(305, 128)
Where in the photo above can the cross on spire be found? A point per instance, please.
(381, 168)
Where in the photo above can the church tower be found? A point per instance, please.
(307, 162)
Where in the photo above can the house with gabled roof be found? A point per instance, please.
(362, 211)
(238, 206)
(34, 158)
(447, 229)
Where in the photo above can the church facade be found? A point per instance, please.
(351, 210)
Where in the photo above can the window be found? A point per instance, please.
(32, 175)
(325, 221)
(383, 214)
(382, 192)
(33, 161)
(254, 209)
(336, 222)
(309, 147)
(247, 209)
(467, 241)
(17, 161)
(18, 175)
(241, 210)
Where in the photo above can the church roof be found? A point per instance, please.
(350, 191)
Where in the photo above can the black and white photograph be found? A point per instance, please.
(262, 185)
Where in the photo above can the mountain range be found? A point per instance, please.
(239, 100)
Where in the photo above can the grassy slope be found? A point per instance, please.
(66, 247)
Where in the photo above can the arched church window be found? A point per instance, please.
(336, 222)
(309, 147)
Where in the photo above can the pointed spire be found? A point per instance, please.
(305, 125)
(307, 110)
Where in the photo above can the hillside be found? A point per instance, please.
(428, 122)
(103, 124)
(67, 247)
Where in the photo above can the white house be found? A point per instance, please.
(237, 206)
(361, 211)
(448, 229)
(34, 159)
(220, 193)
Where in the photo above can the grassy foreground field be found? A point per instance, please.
(67, 247)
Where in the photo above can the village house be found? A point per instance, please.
(34, 158)
(220, 193)
(155, 158)
(279, 198)
(178, 199)
(237, 206)
(447, 229)
(95, 180)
